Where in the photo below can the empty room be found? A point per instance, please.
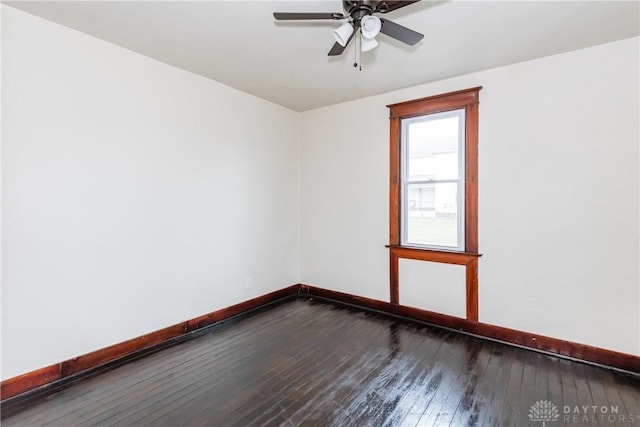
(320, 213)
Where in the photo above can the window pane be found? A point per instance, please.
(432, 146)
(432, 214)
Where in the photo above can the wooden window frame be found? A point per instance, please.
(468, 100)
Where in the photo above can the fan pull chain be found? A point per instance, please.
(357, 55)
(355, 52)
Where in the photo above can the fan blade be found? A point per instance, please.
(388, 6)
(337, 48)
(400, 32)
(292, 16)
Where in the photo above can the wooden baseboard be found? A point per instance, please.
(95, 360)
(590, 354)
(29, 381)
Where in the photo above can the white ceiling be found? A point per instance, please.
(240, 44)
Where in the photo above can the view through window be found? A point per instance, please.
(433, 188)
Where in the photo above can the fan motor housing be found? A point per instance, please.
(351, 6)
(359, 9)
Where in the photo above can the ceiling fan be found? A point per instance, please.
(360, 15)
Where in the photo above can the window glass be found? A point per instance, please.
(433, 180)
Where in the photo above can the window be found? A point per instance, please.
(432, 180)
(433, 194)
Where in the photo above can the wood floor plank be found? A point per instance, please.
(417, 400)
(600, 400)
(452, 368)
(626, 403)
(103, 393)
(362, 363)
(314, 363)
(473, 399)
(411, 392)
(509, 414)
(396, 375)
(198, 392)
(156, 392)
(628, 387)
(464, 390)
(555, 391)
(307, 398)
(494, 384)
(585, 399)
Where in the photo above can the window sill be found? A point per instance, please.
(434, 255)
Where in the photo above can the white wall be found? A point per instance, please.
(135, 195)
(559, 192)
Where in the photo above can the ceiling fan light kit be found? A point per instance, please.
(343, 33)
(370, 26)
(368, 44)
(361, 18)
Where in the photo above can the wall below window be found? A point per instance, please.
(558, 198)
(135, 195)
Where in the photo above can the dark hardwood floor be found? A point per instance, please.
(311, 363)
